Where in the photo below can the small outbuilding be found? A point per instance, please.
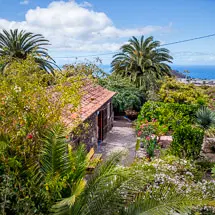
(96, 113)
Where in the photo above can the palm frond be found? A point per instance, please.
(165, 201)
(4, 143)
(53, 157)
(123, 191)
(140, 57)
(18, 44)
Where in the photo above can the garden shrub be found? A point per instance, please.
(176, 92)
(29, 106)
(187, 141)
(169, 114)
(182, 173)
(127, 100)
(128, 96)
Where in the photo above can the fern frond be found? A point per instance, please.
(4, 142)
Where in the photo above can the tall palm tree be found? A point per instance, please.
(142, 61)
(15, 44)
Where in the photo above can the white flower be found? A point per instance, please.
(17, 89)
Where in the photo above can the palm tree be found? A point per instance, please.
(60, 163)
(16, 44)
(142, 61)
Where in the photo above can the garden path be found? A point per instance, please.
(122, 137)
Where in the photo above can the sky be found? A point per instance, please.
(96, 27)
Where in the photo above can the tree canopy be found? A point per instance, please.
(15, 44)
(143, 61)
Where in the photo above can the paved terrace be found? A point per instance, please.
(121, 138)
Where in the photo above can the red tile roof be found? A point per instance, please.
(94, 97)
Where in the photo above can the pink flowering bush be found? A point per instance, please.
(149, 134)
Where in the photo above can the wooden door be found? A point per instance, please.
(100, 125)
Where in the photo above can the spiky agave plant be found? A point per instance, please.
(143, 61)
(15, 44)
(206, 120)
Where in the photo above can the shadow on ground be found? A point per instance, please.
(121, 138)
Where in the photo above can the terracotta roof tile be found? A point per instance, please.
(94, 97)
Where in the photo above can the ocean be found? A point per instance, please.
(202, 72)
(195, 71)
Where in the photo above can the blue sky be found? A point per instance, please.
(77, 28)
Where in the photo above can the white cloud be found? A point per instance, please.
(77, 27)
(194, 58)
(86, 4)
(25, 2)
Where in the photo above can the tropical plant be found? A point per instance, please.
(133, 190)
(128, 96)
(60, 168)
(143, 61)
(15, 44)
(54, 175)
(28, 107)
(206, 120)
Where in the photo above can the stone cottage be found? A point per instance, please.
(96, 113)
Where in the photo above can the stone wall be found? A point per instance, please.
(90, 137)
(209, 149)
(208, 144)
(88, 132)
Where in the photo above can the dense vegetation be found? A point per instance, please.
(173, 91)
(128, 97)
(40, 171)
(185, 112)
(29, 111)
(181, 112)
